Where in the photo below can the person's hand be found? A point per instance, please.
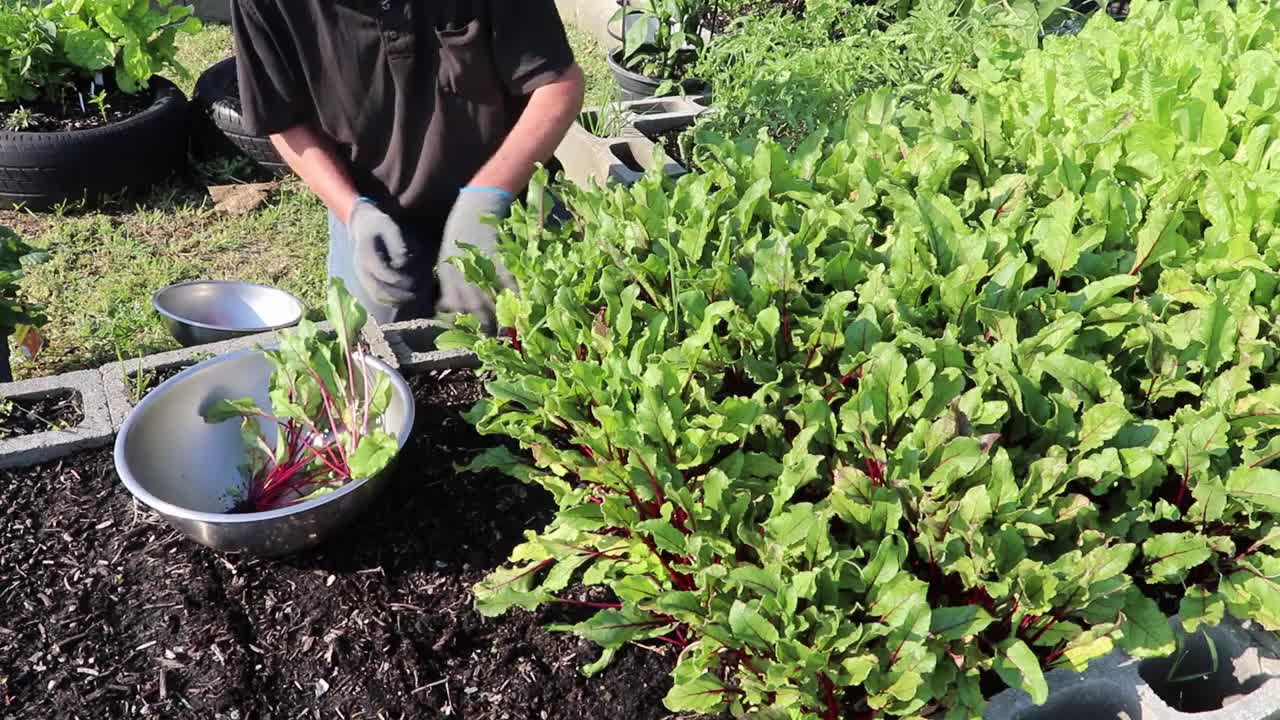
(382, 256)
(467, 226)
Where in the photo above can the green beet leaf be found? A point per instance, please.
(1020, 668)
(967, 383)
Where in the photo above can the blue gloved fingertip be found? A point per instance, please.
(504, 194)
(361, 200)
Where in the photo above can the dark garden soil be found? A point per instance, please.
(56, 117)
(105, 612)
(155, 378)
(26, 417)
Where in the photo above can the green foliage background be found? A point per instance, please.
(49, 47)
(977, 385)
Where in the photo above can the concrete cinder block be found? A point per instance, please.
(659, 115)
(629, 153)
(585, 158)
(119, 379)
(1244, 683)
(93, 432)
(413, 342)
(626, 156)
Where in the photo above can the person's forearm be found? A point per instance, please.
(310, 154)
(551, 110)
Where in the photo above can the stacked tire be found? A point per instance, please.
(218, 126)
(40, 170)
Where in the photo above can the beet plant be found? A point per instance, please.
(323, 428)
(960, 394)
(18, 315)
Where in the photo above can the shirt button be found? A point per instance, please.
(393, 35)
(386, 5)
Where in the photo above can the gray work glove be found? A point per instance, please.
(467, 226)
(382, 257)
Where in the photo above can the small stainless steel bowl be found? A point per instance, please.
(208, 311)
(189, 471)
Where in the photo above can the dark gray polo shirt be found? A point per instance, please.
(418, 94)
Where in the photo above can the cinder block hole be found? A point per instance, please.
(140, 383)
(1086, 702)
(34, 413)
(625, 153)
(1194, 681)
(422, 339)
(654, 107)
(590, 120)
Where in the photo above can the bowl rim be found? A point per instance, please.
(297, 302)
(399, 386)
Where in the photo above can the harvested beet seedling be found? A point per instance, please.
(324, 428)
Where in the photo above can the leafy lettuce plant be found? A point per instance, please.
(973, 389)
(325, 415)
(27, 52)
(61, 45)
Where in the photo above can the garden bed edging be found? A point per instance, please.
(1114, 687)
(412, 343)
(94, 431)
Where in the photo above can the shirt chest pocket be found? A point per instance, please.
(467, 68)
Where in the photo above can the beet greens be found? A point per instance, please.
(325, 415)
(968, 391)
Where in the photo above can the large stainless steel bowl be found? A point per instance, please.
(188, 470)
(207, 311)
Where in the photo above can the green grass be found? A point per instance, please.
(600, 85)
(199, 51)
(106, 264)
(107, 261)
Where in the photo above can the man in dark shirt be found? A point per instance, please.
(413, 120)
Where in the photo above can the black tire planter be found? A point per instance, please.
(39, 170)
(635, 86)
(218, 126)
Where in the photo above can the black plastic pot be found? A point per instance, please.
(38, 170)
(635, 86)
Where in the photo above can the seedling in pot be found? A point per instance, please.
(99, 101)
(326, 407)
